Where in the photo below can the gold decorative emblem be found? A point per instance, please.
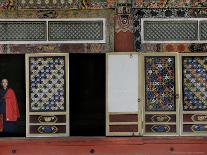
(160, 118)
(199, 118)
(47, 129)
(47, 119)
(160, 128)
(199, 128)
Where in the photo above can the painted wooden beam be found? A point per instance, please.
(104, 146)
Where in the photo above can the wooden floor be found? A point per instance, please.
(104, 146)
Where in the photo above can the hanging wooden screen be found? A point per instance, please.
(122, 94)
(160, 106)
(47, 95)
(194, 94)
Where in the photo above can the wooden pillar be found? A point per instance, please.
(124, 37)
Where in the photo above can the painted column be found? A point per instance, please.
(124, 38)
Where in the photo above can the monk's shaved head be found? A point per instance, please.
(4, 83)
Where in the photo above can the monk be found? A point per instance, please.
(9, 111)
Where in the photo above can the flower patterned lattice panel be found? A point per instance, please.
(65, 4)
(47, 83)
(194, 83)
(160, 83)
(47, 4)
(169, 3)
(3, 4)
(97, 4)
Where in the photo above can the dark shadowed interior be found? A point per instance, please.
(87, 94)
(12, 67)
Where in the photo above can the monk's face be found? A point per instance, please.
(4, 83)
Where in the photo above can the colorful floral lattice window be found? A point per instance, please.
(194, 94)
(47, 95)
(160, 108)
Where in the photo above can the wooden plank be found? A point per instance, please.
(103, 146)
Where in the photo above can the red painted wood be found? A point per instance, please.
(104, 146)
(123, 118)
(124, 42)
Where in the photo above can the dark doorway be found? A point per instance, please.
(12, 67)
(87, 94)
